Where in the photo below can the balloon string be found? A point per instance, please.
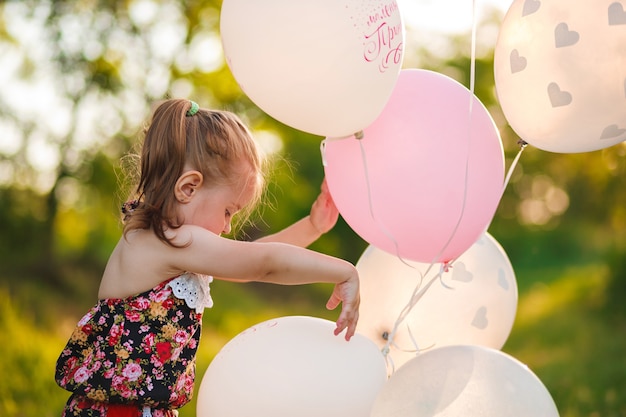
(359, 136)
(367, 186)
(513, 165)
(323, 148)
(507, 179)
(370, 202)
(469, 137)
(391, 366)
(323, 152)
(419, 293)
(473, 52)
(417, 348)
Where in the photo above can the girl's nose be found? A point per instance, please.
(227, 228)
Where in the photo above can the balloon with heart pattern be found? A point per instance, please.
(560, 73)
(464, 380)
(475, 301)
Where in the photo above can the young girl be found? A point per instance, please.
(133, 353)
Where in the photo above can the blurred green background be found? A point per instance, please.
(76, 82)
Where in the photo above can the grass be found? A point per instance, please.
(27, 357)
(564, 332)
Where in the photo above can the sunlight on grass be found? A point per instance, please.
(27, 386)
(585, 285)
(563, 334)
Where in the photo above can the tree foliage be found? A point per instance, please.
(89, 70)
(78, 81)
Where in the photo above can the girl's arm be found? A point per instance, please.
(324, 215)
(271, 262)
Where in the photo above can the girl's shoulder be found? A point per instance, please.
(138, 263)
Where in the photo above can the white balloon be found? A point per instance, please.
(292, 366)
(325, 67)
(474, 302)
(560, 73)
(468, 381)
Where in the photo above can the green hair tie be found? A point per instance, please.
(194, 108)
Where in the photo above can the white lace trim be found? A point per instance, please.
(194, 289)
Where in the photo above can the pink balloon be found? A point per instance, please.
(425, 180)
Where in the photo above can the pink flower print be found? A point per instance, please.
(85, 319)
(70, 366)
(88, 356)
(133, 316)
(167, 303)
(87, 328)
(176, 353)
(71, 362)
(157, 372)
(108, 374)
(132, 371)
(81, 375)
(140, 303)
(161, 295)
(126, 392)
(149, 384)
(148, 342)
(175, 399)
(182, 382)
(156, 362)
(181, 336)
(114, 334)
(117, 382)
(189, 381)
(96, 366)
(184, 387)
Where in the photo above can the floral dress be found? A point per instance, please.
(136, 356)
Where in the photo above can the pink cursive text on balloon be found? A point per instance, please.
(383, 36)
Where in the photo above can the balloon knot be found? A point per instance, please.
(359, 134)
(385, 350)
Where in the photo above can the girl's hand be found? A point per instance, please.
(324, 213)
(347, 293)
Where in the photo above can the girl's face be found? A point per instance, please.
(214, 206)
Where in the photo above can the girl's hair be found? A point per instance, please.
(179, 137)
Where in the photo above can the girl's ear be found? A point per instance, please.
(186, 185)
